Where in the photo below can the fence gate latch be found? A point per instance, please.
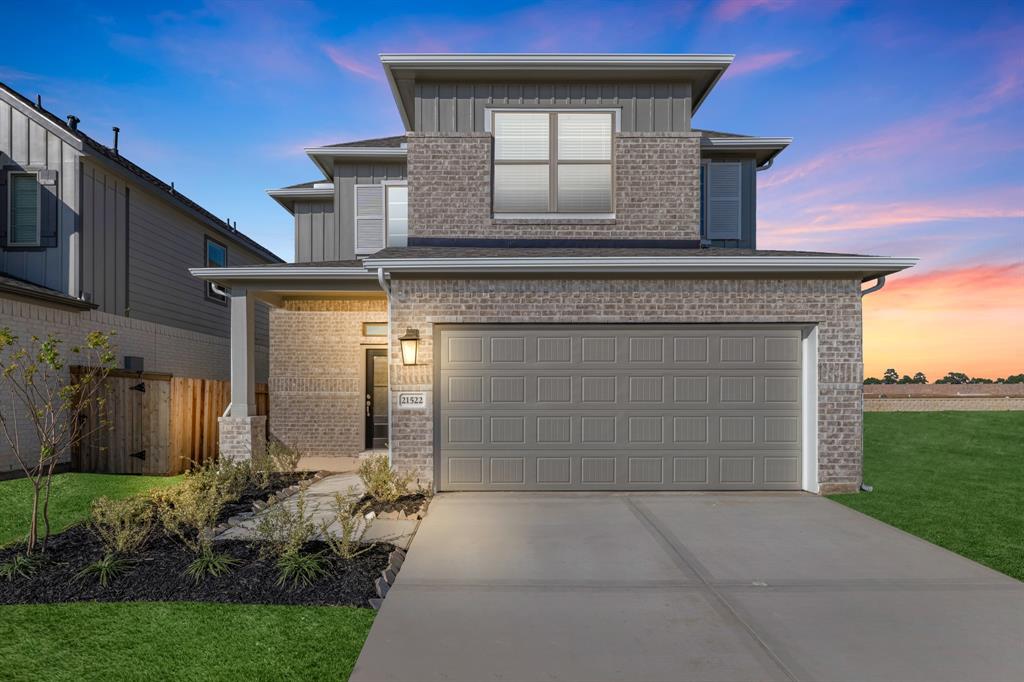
(141, 454)
(140, 387)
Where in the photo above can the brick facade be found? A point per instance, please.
(832, 304)
(657, 190)
(317, 373)
(239, 437)
(165, 349)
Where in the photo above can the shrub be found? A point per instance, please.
(189, 511)
(19, 566)
(230, 478)
(209, 563)
(123, 526)
(284, 458)
(352, 524)
(283, 530)
(383, 483)
(298, 568)
(107, 569)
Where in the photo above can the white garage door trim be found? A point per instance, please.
(808, 388)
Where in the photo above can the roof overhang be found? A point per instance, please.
(763, 149)
(324, 157)
(404, 70)
(287, 197)
(864, 267)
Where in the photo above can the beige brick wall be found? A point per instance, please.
(834, 305)
(657, 190)
(165, 349)
(317, 372)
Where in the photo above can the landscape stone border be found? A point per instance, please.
(273, 498)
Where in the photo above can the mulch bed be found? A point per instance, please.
(411, 504)
(158, 574)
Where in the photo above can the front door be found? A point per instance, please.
(376, 398)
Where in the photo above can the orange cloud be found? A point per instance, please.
(968, 319)
(760, 62)
(348, 63)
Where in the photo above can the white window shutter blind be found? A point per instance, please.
(724, 200)
(369, 218)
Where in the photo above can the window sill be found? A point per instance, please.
(555, 218)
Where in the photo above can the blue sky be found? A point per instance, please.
(906, 117)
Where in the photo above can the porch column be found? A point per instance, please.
(243, 354)
(242, 432)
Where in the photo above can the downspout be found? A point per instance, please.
(877, 286)
(386, 286)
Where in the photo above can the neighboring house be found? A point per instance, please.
(90, 241)
(551, 281)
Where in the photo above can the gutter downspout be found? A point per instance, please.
(877, 286)
(386, 286)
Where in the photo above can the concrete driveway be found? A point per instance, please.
(679, 586)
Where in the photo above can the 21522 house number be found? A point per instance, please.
(412, 401)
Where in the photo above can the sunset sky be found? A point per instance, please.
(907, 119)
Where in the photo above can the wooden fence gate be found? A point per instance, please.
(158, 424)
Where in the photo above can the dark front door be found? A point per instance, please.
(376, 398)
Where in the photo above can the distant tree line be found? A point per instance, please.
(891, 376)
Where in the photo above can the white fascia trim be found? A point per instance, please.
(287, 197)
(281, 273)
(319, 154)
(649, 264)
(747, 142)
(605, 60)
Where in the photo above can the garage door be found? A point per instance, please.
(628, 407)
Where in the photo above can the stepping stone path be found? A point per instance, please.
(320, 507)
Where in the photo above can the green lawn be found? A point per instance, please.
(70, 497)
(953, 478)
(180, 641)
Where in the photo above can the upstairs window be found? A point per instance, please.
(381, 216)
(216, 257)
(721, 209)
(397, 215)
(553, 162)
(24, 209)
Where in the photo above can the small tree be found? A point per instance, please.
(891, 376)
(46, 394)
(871, 381)
(920, 378)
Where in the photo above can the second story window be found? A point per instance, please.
(553, 162)
(24, 209)
(397, 214)
(216, 257)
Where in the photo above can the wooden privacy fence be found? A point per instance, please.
(158, 424)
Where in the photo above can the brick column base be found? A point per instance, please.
(242, 436)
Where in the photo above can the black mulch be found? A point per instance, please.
(158, 572)
(410, 504)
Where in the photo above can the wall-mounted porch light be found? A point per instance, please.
(410, 344)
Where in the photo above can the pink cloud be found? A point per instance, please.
(859, 215)
(731, 10)
(348, 63)
(760, 62)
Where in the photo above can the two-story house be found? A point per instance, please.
(90, 241)
(551, 281)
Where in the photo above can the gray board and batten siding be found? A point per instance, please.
(27, 145)
(618, 407)
(325, 229)
(460, 107)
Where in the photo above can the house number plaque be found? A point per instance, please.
(412, 401)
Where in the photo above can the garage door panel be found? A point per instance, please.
(633, 408)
